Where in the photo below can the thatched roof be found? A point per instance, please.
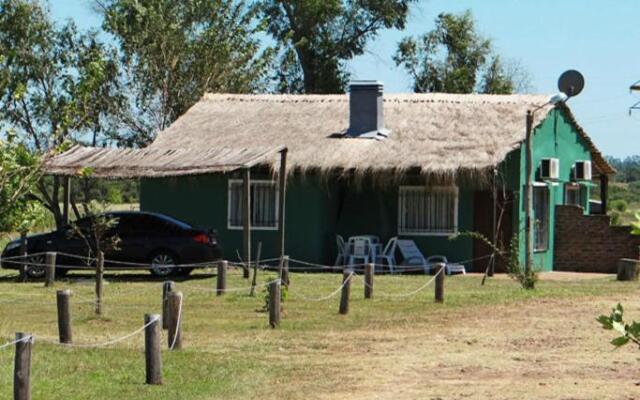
(156, 162)
(434, 133)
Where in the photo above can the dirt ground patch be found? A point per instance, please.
(548, 349)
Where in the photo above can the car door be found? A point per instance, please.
(133, 246)
(73, 244)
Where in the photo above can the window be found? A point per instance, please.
(541, 218)
(264, 205)
(428, 211)
(572, 195)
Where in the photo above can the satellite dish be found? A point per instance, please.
(571, 83)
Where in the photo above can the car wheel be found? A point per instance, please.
(163, 264)
(35, 268)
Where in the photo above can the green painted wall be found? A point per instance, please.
(556, 137)
(316, 210)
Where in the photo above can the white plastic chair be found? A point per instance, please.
(359, 249)
(388, 255)
(411, 255)
(342, 254)
(449, 268)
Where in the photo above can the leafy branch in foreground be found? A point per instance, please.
(515, 270)
(615, 321)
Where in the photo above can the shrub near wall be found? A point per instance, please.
(588, 243)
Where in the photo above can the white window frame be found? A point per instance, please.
(231, 182)
(454, 189)
(573, 187)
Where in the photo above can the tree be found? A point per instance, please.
(317, 37)
(56, 84)
(455, 58)
(19, 172)
(173, 51)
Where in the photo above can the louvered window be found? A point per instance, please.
(428, 211)
(264, 205)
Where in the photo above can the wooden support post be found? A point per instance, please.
(99, 282)
(152, 354)
(368, 280)
(23, 259)
(346, 292)
(22, 367)
(221, 282)
(254, 281)
(50, 269)
(167, 287)
(64, 316)
(176, 314)
(628, 269)
(282, 196)
(274, 304)
(66, 191)
(439, 286)
(494, 224)
(246, 220)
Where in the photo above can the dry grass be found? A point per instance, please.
(492, 342)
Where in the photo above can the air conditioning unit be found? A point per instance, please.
(549, 169)
(582, 171)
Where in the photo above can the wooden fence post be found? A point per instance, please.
(50, 269)
(284, 270)
(439, 286)
(167, 287)
(221, 283)
(99, 282)
(64, 316)
(176, 314)
(274, 303)
(152, 354)
(346, 291)
(368, 280)
(23, 260)
(22, 367)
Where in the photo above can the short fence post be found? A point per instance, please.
(368, 280)
(175, 320)
(99, 278)
(23, 260)
(284, 274)
(439, 286)
(50, 269)
(274, 303)
(167, 287)
(22, 367)
(64, 316)
(221, 283)
(152, 354)
(346, 291)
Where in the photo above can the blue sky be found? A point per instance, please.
(601, 39)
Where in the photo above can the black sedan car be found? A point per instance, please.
(143, 240)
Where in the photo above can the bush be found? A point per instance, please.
(620, 205)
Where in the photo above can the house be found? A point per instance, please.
(419, 166)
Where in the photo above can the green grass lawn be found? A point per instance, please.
(229, 350)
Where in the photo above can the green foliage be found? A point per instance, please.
(629, 332)
(619, 205)
(174, 51)
(19, 172)
(455, 58)
(57, 85)
(316, 37)
(526, 279)
(284, 293)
